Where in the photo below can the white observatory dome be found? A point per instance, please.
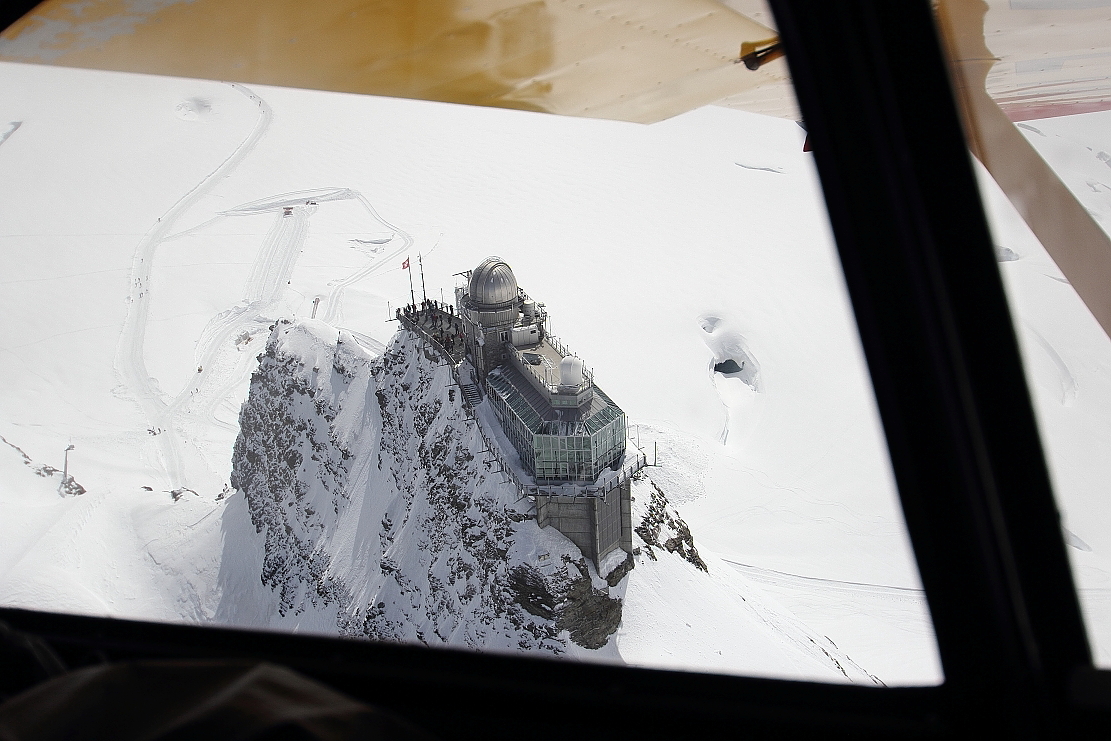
(493, 285)
(571, 372)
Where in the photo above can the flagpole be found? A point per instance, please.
(422, 289)
(412, 293)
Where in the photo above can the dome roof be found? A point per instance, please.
(493, 285)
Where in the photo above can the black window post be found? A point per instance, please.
(914, 244)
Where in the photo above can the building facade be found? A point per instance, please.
(567, 432)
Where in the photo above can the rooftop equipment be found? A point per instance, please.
(571, 373)
(525, 336)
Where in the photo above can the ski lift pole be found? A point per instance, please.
(65, 469)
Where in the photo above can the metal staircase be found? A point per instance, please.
(471, 394)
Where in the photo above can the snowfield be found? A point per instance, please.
(166, 241)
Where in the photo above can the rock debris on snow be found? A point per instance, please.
(662, 527)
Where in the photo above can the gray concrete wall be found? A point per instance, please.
(572, 516)
(596, 525)
(627, 516)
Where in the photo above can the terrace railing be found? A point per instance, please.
(564, 351)
(427, 336)
(575, 489)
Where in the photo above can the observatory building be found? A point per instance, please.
(570, 436)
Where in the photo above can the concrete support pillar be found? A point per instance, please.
(596, 525)
(627, 516)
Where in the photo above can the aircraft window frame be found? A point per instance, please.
(905, 209)
(1005, 610)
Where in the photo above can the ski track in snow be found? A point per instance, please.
(130, 362)
(784, 579)
(334, 312)
(269, 276)
(272, 270)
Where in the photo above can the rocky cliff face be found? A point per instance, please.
(375, 515)
(365, 506)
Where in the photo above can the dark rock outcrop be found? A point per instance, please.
(333, 440)
(663, 528)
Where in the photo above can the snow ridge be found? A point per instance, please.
(286, 418)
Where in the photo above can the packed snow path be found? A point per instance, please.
(131, 363)
(217, 374)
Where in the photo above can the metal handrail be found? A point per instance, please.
(417, 329)
(572, 489)
(565, 351)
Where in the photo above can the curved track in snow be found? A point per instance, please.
(218, 360)
(196, 405)
(272, 270)
(333, 310)
(130, 361)
(784, 579)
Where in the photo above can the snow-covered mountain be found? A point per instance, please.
(375, 518)
(364, 506)
(147, 254)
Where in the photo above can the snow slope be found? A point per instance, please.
(145, 250)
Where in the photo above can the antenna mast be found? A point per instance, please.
(412, 294)
(421, 263)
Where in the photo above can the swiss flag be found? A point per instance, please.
(405, 265)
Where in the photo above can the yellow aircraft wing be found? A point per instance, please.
(633, 60)
(1053, 57)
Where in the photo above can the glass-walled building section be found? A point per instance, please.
(557, 449)
(582, 457)
(519, 420)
